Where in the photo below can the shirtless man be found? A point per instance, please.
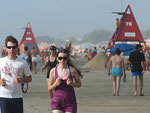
(29, 59)
(116, 65)
(34, 59)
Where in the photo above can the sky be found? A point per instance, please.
(66, 18)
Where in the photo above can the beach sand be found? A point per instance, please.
(95, 95)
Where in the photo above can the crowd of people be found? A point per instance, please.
(62, 76)
(89, 53)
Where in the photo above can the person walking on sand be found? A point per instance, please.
(117, 69)
(34, 59)
(50, 61)
(29, 58)
(63, 78)
(12, 70)
(137, 64)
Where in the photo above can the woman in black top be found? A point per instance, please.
(50, 61)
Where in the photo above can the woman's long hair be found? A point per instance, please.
(69, 62)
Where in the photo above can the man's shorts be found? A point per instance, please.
(139, 73)
(11, 105)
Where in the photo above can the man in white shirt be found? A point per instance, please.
(12, 70)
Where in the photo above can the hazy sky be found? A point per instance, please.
(64, 18)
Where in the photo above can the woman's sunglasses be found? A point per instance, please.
(64, 58)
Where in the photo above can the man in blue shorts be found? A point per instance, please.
(137, 63)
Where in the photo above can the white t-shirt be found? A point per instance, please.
(9, 69)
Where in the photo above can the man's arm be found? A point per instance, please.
(143, 65)
(27, 79)
(23, 80)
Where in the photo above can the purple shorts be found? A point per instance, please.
(64, 105)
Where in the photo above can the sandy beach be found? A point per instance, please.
(95, 95)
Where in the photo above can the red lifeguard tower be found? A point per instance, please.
(28, 39)
(128, 31)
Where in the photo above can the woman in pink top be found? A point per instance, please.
(63, 78)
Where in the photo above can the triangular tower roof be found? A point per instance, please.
(128, 30)
(28, 38)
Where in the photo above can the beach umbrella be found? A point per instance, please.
(44, 47)
(125, 48)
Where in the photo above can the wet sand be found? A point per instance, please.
(95, 95)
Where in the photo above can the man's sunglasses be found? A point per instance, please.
(64, 58)
(13, 47)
